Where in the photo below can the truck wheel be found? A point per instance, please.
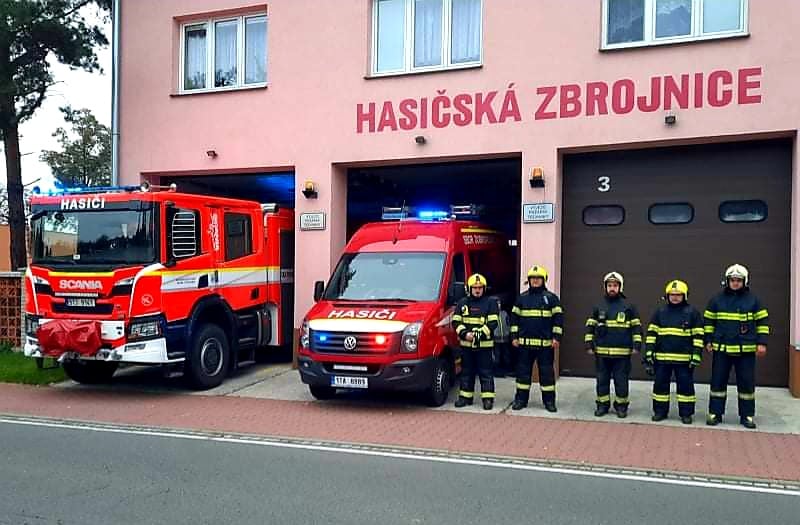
(322, 393)
(89, 372)
(207, 362)
(440, 384)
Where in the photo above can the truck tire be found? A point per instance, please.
(322, 393)
(439, 389)
(89, 372)
(207, 360)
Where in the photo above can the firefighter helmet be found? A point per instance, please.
(476, 280)
(677, 286)
(737, 271)
(537, 271)
(614, 276)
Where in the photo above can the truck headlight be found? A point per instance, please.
(411, 338)
(31, 324)
(145, 328)
(305, 335)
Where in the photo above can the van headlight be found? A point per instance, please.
(411, 338)
(305, 337)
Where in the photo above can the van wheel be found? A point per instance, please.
(437, 393)
(207, 362)
(89, 372)
(322, 393)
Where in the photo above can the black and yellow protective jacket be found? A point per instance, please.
(736, 322)
(614, 328)
(675, 335)
(537, 318)
(479, 315)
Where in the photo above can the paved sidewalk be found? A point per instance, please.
(696, 449)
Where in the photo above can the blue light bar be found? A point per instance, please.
(94, 189)
(394, 214)
(433, 214)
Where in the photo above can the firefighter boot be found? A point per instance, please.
(713, 420)
(550, 406)
(601, 410)
(622, 411)
(747, 422)
(658, 416)
(462, 402)
(488, 403)
(686, 420)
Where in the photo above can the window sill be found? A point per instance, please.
(448, 69)
(671, 42)
(219, 90)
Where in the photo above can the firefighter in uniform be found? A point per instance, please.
(674, 344)
(736, 331)
(613, 334)
(536, 331)
(474, 320)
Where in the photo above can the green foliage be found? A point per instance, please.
(85, 156)
(16, 368)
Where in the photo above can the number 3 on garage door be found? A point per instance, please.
(604, 184)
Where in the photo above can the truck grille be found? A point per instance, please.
(365, 343)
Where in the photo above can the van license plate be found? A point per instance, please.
(349, 382)
(81, 302)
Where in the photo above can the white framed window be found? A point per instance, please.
(225, 53)
(636, 23)
(411, 36)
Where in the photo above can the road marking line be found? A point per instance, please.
(422, 455)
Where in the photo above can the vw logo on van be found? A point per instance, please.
(350, 342)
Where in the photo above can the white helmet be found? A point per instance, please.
(614, 276)
(739, 272)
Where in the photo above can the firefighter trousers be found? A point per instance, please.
(745, 366)
(618, 368)
(684, 379)
(543, 357)
(480, 363)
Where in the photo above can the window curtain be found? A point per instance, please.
(466, 31)
(255, 50)
(427, 33)
(625, 21)
(194, 62)
(225, 53)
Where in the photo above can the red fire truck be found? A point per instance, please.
(383, 320)
(134, 275)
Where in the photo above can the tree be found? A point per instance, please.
(30, 32)
(86, 159)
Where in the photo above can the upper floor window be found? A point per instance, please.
(633, 23)
(224, 53)
(424, 35)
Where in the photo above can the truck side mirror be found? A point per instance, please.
(455, 292)
(319, 288)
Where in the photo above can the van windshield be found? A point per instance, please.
(403, 276)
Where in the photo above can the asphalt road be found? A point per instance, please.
(68, 476)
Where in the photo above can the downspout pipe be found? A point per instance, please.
(115, 44)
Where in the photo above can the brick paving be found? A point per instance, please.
(700, 450)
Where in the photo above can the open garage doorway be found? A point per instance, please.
(265, 188)
(493, 185)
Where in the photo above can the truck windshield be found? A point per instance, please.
(93, 237)
(387, 276)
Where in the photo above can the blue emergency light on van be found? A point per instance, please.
(433, 214)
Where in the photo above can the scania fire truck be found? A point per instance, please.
(134, 275)
(383, 320)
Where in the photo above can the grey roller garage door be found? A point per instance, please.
(684, 212)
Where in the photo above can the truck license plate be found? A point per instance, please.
(349, 382)
(81, 302)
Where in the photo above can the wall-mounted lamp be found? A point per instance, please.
(309, 189)
(419, 139)
(670, 119)
(212, 153)
(537, 177)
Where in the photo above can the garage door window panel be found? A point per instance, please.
(636, 23)
(743, 211)
(612, 215)
(671, 213)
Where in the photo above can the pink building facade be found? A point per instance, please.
(327, 91)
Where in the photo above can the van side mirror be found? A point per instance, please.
(455, 292)
(319, 288)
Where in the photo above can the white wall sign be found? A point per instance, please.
(312, 221)
(538, 212)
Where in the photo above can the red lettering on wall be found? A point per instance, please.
(365, 117)
(674, 92)
(623, 94)
(746, 84)
(596, 98)
(718, 95)
(570, 98)
(549, 93)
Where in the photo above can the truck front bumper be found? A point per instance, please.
(406, 375)
(150, 352)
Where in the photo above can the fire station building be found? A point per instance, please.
(657, 138)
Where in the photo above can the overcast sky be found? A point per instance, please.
(75, 88)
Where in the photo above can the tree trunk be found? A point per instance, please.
(16, 205)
